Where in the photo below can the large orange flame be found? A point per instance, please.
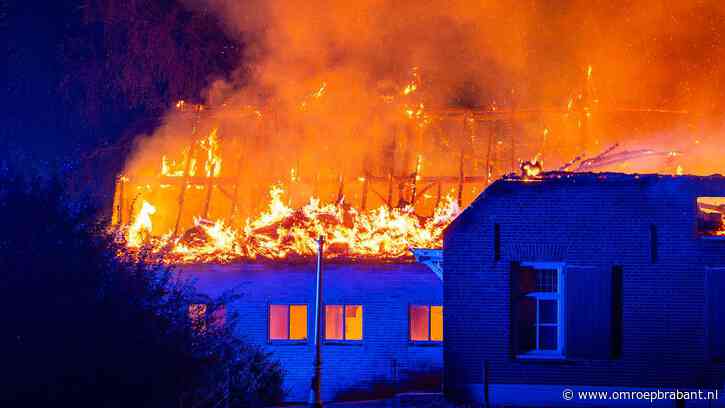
(284, 232)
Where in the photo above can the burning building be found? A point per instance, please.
(604, 282)
(382, 323)
(373, 123)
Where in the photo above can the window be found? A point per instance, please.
(288, 322)
(538, 309)
(426, 323)
(710, 212)
(343, 322)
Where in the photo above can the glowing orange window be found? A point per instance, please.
(426, 323)
(343, 322)
(288, 322)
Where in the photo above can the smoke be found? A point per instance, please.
(319, 94)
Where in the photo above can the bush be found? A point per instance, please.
(83, 328)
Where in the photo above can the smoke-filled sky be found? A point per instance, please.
(656, 53)
(320, 73)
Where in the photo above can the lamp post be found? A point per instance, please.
(314, 398)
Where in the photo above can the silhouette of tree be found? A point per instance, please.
(83, 328)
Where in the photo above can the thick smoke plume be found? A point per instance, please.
(333, 90)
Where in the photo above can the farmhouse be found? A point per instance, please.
(586, 282)
(382, 323)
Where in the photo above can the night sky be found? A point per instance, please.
(85, 77)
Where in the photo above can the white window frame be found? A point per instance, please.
(560, 297)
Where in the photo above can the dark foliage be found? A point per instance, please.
(86, 77)
(81, 328)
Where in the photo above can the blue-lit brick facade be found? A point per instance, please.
(594, 221)
(385, 361)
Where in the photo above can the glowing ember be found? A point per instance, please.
(532, 168)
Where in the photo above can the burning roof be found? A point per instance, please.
(281, 232)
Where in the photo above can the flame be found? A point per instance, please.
(283, 232)
(533, 168)
(321, 91)
(140, 230)
(213, 163)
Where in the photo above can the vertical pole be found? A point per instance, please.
(460, 178)
(237, 181)
(390, 190)
(513, 132)
(314, 399)
(488, 154)
(486, 402)
(391, 171)
(439, 187)
(207, 202)
(460, 162)
(364, 199)
(340, 188)
(414, 182)
(184, 183)
(187, 169)
(121, 199)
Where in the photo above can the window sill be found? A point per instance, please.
(541, 357)
(287, 342)
(425, 343)
(342, 342)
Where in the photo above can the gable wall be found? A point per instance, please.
(596, 225)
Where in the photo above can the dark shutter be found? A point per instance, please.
(522, 308)
(653, 243)
(588, 309)
(617, 311)
(514, 297)
(497, 242)
(715, 287)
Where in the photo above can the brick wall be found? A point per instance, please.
(359, 370)
(594, 221)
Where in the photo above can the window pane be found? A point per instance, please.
(298, 322)
(353, 322)
(279, 322)
(526, 324)
(547, 311)
(436, 323)
(546, 280)
(333, 322)
(547, 337)
(419, 323)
